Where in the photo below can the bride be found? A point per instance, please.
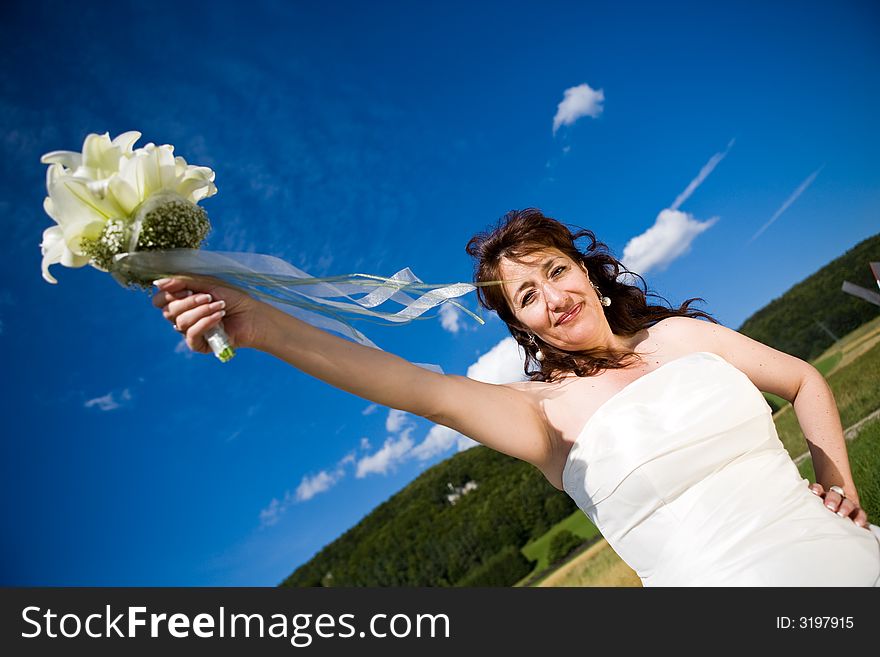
(650, 419)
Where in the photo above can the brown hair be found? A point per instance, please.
(522, 232)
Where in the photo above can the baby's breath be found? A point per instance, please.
(173, 224)
(112, 240)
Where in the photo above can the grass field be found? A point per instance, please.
(855, 383)
(864, 456)
(851, 367)
(576, 523)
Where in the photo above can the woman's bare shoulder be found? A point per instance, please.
(536, 389)
(524, 386)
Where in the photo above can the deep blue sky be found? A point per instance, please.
(366, 137)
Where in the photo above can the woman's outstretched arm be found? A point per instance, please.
(498, 416)
(193, 304)
(378, 376)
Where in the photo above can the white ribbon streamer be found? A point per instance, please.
(324, 302)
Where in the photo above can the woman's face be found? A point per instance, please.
(544, 289)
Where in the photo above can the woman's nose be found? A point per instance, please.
(555, 297)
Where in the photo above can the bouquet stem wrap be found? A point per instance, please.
(326, 302)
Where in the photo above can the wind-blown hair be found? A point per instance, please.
(520, 233)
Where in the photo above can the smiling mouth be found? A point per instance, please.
(574, 311)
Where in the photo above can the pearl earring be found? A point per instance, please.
(539, 355)
(605, 301)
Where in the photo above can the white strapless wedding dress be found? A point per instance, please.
(683, 473)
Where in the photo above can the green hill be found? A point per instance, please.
(793, 322)
(420, 538)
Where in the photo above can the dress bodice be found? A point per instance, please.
(683, 473)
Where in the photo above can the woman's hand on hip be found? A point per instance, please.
(842, 506)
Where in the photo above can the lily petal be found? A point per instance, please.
(180, 167)
(71, 259)
(124, 188)
(197, 184)
(49, 208)
(54, 172)
(95, 149)
(67, 159)
(73, 237)
(73, 203)
(126, 141)
(52, 247)
(157, 169)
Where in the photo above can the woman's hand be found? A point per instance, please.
(843, 506)
(195, 304)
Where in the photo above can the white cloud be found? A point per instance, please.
(439, 440)
(269, 516)
(311, 486)
(449, 316)
(673, 231)
(396, 420)
(105, 403)
(392, 452)
(670, 237)
(182, 348)
(502, 364)
(108, 402)
(791, 199)
(465, 443)
(369, 410)
(577, 102)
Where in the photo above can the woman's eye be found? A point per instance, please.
(528, 297)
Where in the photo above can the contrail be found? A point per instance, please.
(791, 199)
(704, 173)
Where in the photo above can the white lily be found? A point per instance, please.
(154, 169)
(109, 180)
(99, 160)
(79, 214)
(55, 250)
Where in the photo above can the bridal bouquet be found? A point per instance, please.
(133, 212)
(112, 199)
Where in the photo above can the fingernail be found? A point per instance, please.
(161, 281)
